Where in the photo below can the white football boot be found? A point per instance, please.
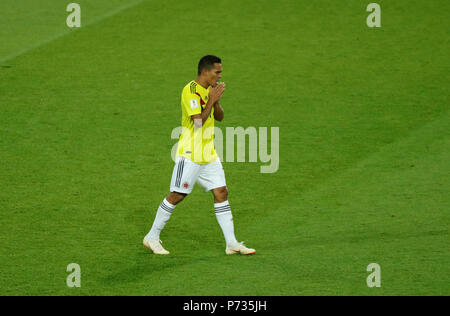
(239, 248)
(155, 246)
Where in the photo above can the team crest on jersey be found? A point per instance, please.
(186, 185)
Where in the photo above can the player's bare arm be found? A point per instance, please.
(215, 94)
(218, 112)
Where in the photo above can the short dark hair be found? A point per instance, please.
(208, 62)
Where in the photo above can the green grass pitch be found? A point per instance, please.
(363, 114)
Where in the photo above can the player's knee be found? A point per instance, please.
(175, 197)
(221, 194)
(225, 194)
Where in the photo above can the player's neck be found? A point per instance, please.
(201, 81)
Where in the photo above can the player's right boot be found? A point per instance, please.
(155, 246)
(239, 248)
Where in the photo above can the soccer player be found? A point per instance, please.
(196, 158)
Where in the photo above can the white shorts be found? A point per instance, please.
(186, 173)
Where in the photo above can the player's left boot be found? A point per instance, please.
(239, 248)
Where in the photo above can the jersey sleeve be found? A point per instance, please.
(191, 102)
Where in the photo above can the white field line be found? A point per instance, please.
(55, 37)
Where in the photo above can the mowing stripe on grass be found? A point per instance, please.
(69, 31)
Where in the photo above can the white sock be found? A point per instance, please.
(225, 219)
(165, 209)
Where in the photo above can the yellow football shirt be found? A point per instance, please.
(196, 144)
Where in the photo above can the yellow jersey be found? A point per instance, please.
(196, 144)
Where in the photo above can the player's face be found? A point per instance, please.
(215, 74)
